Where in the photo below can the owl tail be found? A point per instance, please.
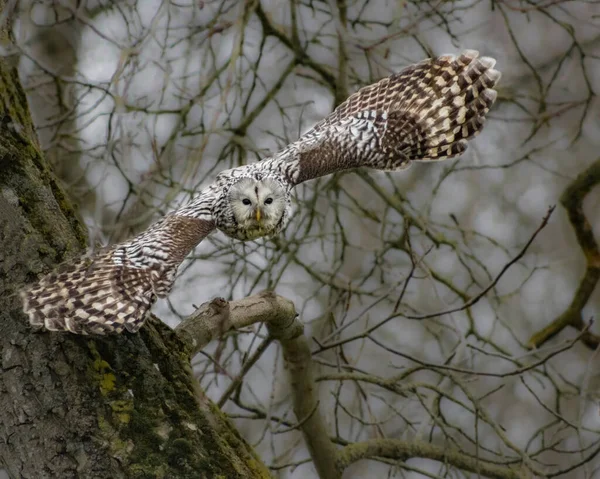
(444, 106)
(90, 296)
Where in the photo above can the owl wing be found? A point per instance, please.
(91, 296)
(428, 111)
(115, 289)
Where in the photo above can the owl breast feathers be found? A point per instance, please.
(426, 112)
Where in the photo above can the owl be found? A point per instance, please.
(426, 112)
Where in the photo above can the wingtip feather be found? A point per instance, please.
(86, 298)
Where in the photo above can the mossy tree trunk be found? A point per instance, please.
(70, 406)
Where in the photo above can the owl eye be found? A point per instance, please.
(246, 201)
(268, 201)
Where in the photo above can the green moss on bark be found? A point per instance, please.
(153, 418)
(27, 178)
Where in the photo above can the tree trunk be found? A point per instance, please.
(71, 406)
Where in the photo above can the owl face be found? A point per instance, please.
(258, 207)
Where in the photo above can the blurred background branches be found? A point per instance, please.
(138, 104)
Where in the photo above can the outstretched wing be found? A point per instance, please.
(90, 296)
(115, 289)
(428, 111)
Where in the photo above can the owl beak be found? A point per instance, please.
(258, 214)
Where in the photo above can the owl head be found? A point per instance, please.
(259, 207)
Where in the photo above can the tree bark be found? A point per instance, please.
(73, 406)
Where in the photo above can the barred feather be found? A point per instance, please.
(90, 296)
(428, 111)
(115, 289)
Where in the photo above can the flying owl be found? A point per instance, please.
(426, 112)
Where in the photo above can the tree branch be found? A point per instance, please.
(572, 199)
(212, 319)
(402, 450)
(216, 317)
(312, 423)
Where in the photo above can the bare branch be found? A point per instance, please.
(572, 199)
(402, 450)
(211, 320)
(304, 393)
